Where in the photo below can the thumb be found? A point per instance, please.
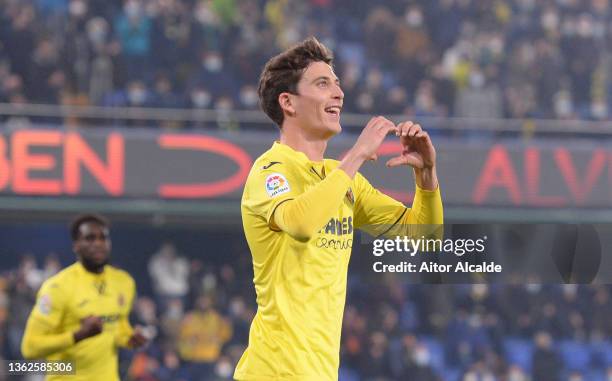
(397, 161)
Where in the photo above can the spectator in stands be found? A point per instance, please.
(133, 27)
(169, 273)
(203, 333)
(546, 362)
(539, 59)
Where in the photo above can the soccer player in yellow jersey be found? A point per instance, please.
(81, 313)
(299, 211)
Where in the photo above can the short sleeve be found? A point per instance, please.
(265, 190)
(50, 304)
(375, 212)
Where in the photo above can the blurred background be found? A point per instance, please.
(146, 111)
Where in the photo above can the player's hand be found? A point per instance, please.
(372, 137)
(137, 339)
(417, 149)
(141, 336)
(90, 326)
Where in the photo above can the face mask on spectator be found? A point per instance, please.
(224, 369)
(96, 30)
(585, 26)
(204, 15)
(496, 45)
(249, 97)
(132, 9)
(563, 104)
(599, 110)
(550, 20)
(236, 307)
(414, 18)
(137, 96)
(533, 288)
(421, 357)
(477, 80)
(77, 8)
(516, 375)
(200, 99)
(213, 63)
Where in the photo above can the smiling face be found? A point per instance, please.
(317, 105)
(93, 246)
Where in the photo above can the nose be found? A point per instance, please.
(338, 93)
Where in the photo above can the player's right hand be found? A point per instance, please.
(372, 137)
(90, 326)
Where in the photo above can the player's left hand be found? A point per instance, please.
(417, 149)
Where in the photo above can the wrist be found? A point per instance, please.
(352, 161)
(77, 336)
(357, 154)
(426, 178)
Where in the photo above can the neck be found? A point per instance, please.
(95, 269)
(312, 146)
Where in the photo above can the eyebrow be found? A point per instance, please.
(337, 80)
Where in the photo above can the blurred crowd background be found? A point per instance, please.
(462, 58)
(497, 59)
(201, 304)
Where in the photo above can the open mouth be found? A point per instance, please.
(333, 110)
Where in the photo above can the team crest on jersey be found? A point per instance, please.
(350, 197)
(276, 184)
(44, 304)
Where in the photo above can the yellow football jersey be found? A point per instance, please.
(301, 286)
(65, 299)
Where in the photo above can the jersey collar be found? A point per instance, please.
(84, 271)
(299, 156)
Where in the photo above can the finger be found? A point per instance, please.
(372, 122)
(406, 127)
(396, 161)
(386, 126)
(414, 129)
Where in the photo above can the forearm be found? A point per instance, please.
(426, 208)
(424, 219)
(306, 214)
(352, 161)
(37, 344)
(426, 178)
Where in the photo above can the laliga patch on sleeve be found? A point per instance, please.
(276, 184)
(44, 304)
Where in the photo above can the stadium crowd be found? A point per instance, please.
(464, 58)
(392, 330)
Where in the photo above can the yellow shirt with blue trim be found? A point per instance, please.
(62, 302)
(301, 283)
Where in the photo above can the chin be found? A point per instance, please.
(335, 128)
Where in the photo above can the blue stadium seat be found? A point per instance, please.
(519, 352)
(450, 374)
(595, 375)
(575, 355)
(436, 352)
(602, 354)
(347, 374)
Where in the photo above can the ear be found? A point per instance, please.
(286, 103)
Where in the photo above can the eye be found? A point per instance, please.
(322, 84)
